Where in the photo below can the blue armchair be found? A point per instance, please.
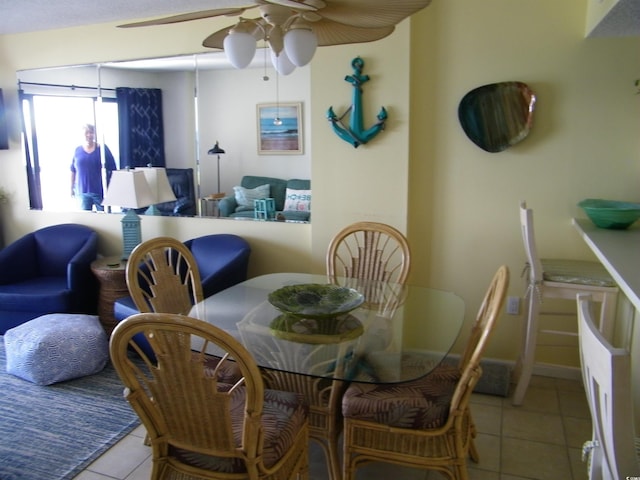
(222, 259)
(48, 271)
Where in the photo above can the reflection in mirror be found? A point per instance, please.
(497, 116)
(203, 101)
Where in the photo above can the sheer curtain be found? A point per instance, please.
(140, 127)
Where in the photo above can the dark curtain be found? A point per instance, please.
(140, 127)
(31, 156)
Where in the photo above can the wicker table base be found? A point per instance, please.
(111, 273)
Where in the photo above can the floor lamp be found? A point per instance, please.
(216, 150)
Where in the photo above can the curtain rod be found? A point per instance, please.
(72, 87)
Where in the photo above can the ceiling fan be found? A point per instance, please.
(294, 28)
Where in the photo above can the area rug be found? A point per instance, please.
(54, 432)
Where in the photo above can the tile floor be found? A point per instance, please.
(541, 439)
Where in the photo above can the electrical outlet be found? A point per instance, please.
(513, 305)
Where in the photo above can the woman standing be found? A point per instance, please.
(86, 171)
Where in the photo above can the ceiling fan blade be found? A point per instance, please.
(302, 5)
(371, 13)
(334, 33)
(187, 17)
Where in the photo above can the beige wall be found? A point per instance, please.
(457, 203)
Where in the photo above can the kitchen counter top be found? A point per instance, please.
(619, 252)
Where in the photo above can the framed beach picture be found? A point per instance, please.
(279, 128)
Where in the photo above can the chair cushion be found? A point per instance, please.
(44, 294)
(419, 404)
(284, 414)
(577, 272)
(56, 347)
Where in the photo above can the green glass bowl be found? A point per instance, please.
(315, 300)
(611, 214)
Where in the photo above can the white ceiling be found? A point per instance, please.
(20, 16)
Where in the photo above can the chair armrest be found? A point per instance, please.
(227, 206)
(80, 278)
(184, 206)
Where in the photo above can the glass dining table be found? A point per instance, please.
(398, 333)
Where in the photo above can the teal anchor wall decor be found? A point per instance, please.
(354, 133)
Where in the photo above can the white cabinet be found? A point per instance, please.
(613, 18)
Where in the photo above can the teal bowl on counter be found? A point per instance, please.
(611, 214)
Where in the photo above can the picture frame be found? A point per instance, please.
(285, 138)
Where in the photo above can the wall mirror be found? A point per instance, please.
(204, 101)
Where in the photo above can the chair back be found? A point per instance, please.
(57, 245)
(528, 237)
(482, 329)
(162, 276)
(178, 399)
(606, 372)
(369, 251)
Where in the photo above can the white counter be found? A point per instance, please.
(619, 252)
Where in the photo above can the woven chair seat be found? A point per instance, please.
(228, 372)
(284, 414)
(418, 404)
(580, 272)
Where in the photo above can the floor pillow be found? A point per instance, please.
(56, 347)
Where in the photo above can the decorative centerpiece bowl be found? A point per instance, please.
(611, 214)
(314, 300)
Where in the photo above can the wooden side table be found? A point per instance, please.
(111, 273)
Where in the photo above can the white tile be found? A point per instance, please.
(540, 439)
(121, 459)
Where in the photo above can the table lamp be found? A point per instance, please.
(129, 189)
(216, 150)
(160, 187)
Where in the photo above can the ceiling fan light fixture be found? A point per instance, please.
(300, 44)
(281, 62)
(239, 47)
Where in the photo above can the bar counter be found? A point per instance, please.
(619, 252)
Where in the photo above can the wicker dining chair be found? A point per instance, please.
(162, 276)
(366, 251)
(425, 423)
(369, 251)
(199, 427)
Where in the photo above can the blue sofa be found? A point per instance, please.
(48, 271)
(228, 206)
(222, 259)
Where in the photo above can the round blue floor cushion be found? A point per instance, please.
(56, 347)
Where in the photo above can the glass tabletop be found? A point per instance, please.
(398, 333)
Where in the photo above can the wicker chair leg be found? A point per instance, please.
(473, 451)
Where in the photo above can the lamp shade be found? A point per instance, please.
(216, 150)
(159, 183)
(300, 44)
(281, 62)
(128, 189)
(240, 47)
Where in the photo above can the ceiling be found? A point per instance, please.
(21, 16)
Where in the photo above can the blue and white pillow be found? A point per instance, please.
(56, 347)
(298, 200)
(246, 196)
